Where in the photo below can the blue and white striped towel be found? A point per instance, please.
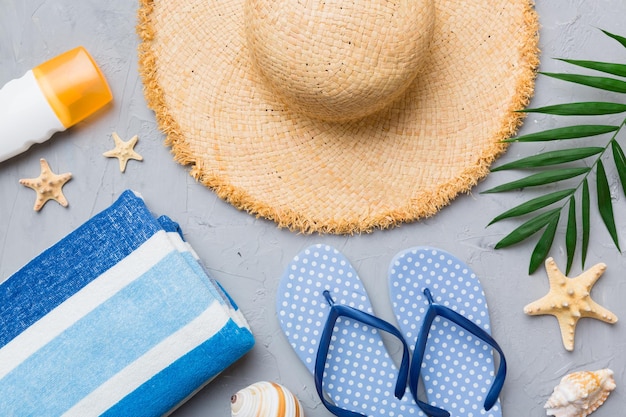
(116, 319)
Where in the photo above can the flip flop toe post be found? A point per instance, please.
(443, 315)
(326, 315)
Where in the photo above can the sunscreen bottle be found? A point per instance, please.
(50, 98)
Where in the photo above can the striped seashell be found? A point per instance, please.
(265, 399)
(580, 393)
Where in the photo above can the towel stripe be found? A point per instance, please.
(83, 255)
(217, 291)
(151, 363)
(81, 358)
(215, 287)
(187, 253)
(87, 299)
(167, 390)
(194, 261)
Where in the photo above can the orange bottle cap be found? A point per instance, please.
(74, 85)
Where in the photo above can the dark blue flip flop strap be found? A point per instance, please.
(435, 310)
(416, 364)
(337, 311)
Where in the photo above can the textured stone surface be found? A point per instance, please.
(247, 255)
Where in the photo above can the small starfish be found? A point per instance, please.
(123, 151)
(48, 186)
(568, 300)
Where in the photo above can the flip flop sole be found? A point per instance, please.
(458, 368)
(359, 376)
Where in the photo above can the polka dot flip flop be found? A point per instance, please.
(326, 315)
(442, 312)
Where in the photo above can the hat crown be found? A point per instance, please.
(336, 60)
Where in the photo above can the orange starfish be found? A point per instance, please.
(568, 300)
(123, 151)
(48, 186)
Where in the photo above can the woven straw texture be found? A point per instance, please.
(260, 115)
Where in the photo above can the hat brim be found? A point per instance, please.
(401, 164)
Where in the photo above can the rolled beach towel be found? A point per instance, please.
(118, 318)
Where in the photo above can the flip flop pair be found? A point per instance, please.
(326, 314)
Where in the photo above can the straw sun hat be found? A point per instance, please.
(338, 116)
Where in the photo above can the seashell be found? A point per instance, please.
(580, 393)
(265, 399)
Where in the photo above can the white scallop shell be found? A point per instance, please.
(580, 393)
(265, 399)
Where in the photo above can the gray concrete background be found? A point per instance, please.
(247, 255)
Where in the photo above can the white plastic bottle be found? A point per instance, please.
(50, 98)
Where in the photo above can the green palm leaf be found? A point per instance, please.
(620, 163)
(534, 204)
(604, 202)
(586, 108)
(618, 38)
(603, 83)
(607, 67)
(541, 178)
(551, 158)
(528, 228)
(544, 244)
(571, 234)
(585, 209)
(568, 132)
(584, 160)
